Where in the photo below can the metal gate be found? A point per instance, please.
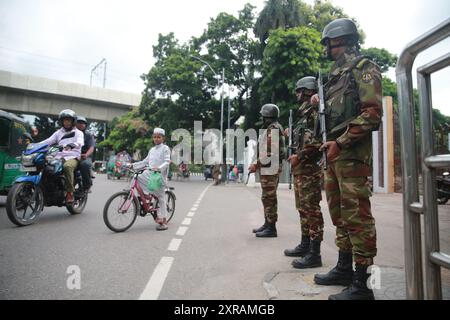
(412, 207)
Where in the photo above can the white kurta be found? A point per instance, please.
(77, 140)
(158, 157)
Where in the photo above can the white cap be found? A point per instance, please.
(159, 131)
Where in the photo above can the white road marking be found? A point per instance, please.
(174, 244)
(191, 213)
(186, 221)
(182, 231)
(156, 282)
(159, 275)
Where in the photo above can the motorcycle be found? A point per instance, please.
(43, 185)
(443, 188)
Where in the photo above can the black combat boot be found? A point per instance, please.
(262, 228)
(299, 251)
(358, 290)
(341, 275)
(312, 259)
(269, 232)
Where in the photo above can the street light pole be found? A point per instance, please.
(228, 138)
(221, 126)
(221, 86)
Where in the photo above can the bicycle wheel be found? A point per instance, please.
(170, 204)
(120, 211)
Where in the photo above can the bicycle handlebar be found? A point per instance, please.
(139, 171)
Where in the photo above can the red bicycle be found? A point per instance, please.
(122, 208)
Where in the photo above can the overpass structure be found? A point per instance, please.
(41, 96)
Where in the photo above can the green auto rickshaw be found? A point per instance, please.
(110, 165)
(13, 140)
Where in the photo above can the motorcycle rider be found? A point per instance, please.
(86, 153)
(71, 140)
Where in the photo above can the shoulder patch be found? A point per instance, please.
(366, 77)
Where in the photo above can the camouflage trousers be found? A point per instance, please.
(269, 185)
(348, 192)
(308, 195)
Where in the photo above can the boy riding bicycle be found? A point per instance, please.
(158, 159)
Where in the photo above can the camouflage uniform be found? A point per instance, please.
(269, 182)
(308, 174)
(354, 110)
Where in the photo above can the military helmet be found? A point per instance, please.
(81, 119)
(270, 111)
(340, 28)
(309, 83)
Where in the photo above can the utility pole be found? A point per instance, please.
(102, 62)
(221, 86)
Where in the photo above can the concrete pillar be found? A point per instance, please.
(383, 151)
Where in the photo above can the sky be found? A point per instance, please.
(65, 39)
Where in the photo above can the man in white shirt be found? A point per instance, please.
(72, 140)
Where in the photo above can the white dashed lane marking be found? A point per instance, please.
(174, 244)
(182, 231)
(186, 221)
(154, 286)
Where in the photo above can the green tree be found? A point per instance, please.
(230, 46)
(129, 132)
(323, 12)
(289, 55)
(277, 14)
(46, 126)
(176, 88)
(382, 57)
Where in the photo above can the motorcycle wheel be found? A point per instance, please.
(22, 197)
(80, 200)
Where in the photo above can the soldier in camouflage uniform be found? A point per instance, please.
(354, 109)
(269, 171)
(307, 178)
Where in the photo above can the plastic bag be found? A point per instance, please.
(155, 181)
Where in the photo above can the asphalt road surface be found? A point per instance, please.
(208, 252)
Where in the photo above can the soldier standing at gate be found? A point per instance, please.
(354, 109)
(307, 178)
(269, 171)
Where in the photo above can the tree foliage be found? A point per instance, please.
(290, 55)
(263, 55)
(382, 57)
(278, 14)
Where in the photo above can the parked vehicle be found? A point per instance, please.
(443, 188)
(207, 173)
(13, 141)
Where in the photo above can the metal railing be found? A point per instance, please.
(412, 207)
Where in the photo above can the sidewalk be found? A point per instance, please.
(387, 210)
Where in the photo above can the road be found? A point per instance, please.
(208, 252)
